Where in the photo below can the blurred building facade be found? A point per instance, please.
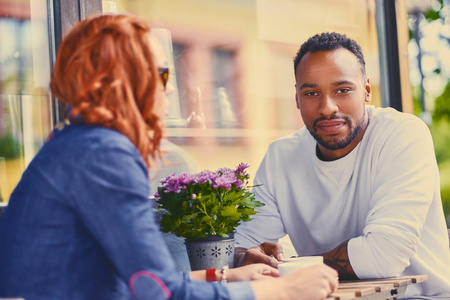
(231, 61)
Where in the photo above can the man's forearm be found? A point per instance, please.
(338, 260)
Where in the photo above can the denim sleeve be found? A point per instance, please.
(110, 192)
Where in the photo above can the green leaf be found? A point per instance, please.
(206, 219)
(229, 211)
(248, 211)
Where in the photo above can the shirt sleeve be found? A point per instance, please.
(110, 193)
(266, 224)
(405, 183)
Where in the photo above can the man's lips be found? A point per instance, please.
(330, 126)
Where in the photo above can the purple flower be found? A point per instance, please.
(164, 180)
(186, 178)
(172, 184)
(225, 181)
(225, 171)
(241, 169)
(223, 177)
(239, 184)
(205, 176)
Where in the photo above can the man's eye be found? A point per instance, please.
(342, 91)
(310, 93)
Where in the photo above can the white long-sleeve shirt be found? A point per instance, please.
(383, 196)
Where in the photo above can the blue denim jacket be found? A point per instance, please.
(80, 225)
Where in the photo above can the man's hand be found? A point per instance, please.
(266, 253)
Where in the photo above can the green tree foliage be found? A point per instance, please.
(442, 106)
(440, 126)
(440, 129)
(433, 14)
(9, 147)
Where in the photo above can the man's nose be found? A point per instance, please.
(327, 106)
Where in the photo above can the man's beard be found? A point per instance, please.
(336, 143)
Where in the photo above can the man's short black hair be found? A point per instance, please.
(330, 41)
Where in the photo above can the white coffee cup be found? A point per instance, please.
(291, 265)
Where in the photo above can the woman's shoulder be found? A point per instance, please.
(88, 136)
(80, 142)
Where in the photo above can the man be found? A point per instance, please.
(358, 184)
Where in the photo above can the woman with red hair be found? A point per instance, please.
(80, 224)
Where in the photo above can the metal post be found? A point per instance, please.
(390, 83)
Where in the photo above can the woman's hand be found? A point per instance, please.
(312, 283)
(315, 282)
(246, 273)
(251, 272)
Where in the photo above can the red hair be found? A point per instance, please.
(106, 72)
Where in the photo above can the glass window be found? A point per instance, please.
(182, 75)
(25, 102)
(224, 101)
(234, 72)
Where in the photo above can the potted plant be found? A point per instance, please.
(205, 208)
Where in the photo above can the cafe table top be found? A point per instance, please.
(375, 289)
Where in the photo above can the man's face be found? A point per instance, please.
(330, 91)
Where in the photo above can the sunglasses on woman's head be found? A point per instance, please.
(164, 74)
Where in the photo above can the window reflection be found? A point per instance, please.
(225, 79)
(182, 75)
(219, 109)
(234, 69)
(25, 111)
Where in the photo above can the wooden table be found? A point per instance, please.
(375, 289)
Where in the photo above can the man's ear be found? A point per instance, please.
(297, 101)
(368, 91)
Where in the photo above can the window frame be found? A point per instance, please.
(62, 15)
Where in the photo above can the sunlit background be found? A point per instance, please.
(231, 64)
